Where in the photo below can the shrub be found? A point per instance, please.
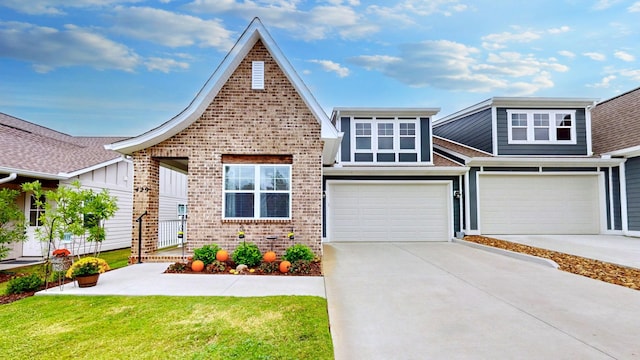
(24, 284)
(216, 267)
(300, 267)
(206, 254)
(247, 254)
(178, 267)
(269, 267)
(298, 252)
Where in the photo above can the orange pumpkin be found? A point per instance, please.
(269, 257)
(222, 255)
(197, 266)
(284, 266)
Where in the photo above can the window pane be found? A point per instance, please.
(407, 143)
(519, 119)
(407, 129)
(541, 134)
(238, 205)
(386, 157)
(519, 134)
(563, 134)
(364, 157)
(274, 178)
(385, 143)
(563, 119)
(363, 129)
(363, 143)
(239, 178)
(541, 119)
(274, 205)
(385, 129)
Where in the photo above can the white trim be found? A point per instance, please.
(623, 198)
(461, 204)
(494, 130)
(461, 145)
(587, 114)
(543, 161)
(395, 170)
(384, 112)
(32, 174)
(552, 127)
(448, 183)
(602, 202)
(628, 152)
(613, 217)
(633, 233)
(254, 32)
(467, 206)
(95, 167)
(374, 122)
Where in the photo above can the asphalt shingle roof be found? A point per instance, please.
(29, 147)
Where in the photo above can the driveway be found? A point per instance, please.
(450, 301)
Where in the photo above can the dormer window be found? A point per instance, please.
(541, 126)
(257, 75)
(385, 140)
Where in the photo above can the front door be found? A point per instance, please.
(33, 246)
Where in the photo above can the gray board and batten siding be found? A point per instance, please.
(504, 148)
(632, 172)
(425, 143)
(473, 130)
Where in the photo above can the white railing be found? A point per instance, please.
(168, 233)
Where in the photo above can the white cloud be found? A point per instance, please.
(635, 7)
(412, 11)
(453, 66)
(48, 48)
(331, 66)
(595, 56)
(604, 4)
(567, 53)
(605, 83)
(55, 7)
(634, 74)
(170, 29)
(624, 56)
(560, 30)
(319, 22)
(497, 41)
(164, 65)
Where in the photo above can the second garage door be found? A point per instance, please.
(366, 211)
(539, 204)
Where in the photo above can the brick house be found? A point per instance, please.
(253, 142)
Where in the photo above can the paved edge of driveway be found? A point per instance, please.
(513, 254)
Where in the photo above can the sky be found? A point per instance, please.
(123, 67)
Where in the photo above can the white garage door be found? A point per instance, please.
(539, 204)
(389, 212)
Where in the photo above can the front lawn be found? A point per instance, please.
(159, 327)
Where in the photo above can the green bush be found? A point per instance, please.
(216, 267)
(269, 268)
(300, 267)
(247, 254)
(206, 254)
(22, 284)
(298, 252)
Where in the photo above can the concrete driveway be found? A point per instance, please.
(450, 301)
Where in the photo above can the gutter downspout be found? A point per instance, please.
(9, 178)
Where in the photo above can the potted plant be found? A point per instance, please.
(61, 259)
(86, 271)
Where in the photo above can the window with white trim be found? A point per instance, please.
(257, 191)
(541, 126)
(385, 140)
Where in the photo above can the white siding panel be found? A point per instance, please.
(539, 204)
(389, 212)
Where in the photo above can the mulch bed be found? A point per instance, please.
(9, 298)
(595, 269)
(314, 269)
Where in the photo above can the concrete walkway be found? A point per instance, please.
(149, 279)
(450, 301)
(616, 249)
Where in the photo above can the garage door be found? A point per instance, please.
(389, 212)
(539, 204)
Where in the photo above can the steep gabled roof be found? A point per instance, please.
(616, 125)
(254, 32)
(36, 151)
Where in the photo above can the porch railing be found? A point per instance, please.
(168, 233)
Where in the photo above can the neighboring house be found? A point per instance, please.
(532, 167)
(388, 184)
(32, 152)
(616, 134)
(253, 142)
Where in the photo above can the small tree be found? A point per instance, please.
(12, 222)
(73, 210)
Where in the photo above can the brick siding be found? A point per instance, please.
(241, 121)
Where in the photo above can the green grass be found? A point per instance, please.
(156, 327)
(115, 258)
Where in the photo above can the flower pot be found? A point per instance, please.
(87, 280)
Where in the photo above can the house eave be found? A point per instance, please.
(394, 170)
(32, 174)
(544, 161)
(627, 152)
(379, 111)
(91, 168)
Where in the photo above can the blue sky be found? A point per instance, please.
(122, 67)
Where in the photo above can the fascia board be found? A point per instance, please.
(538, 161)
(32, 174)
(395, 171)
(391, 111)
(94, 167)
(627, 152)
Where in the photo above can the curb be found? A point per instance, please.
(512, 254)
